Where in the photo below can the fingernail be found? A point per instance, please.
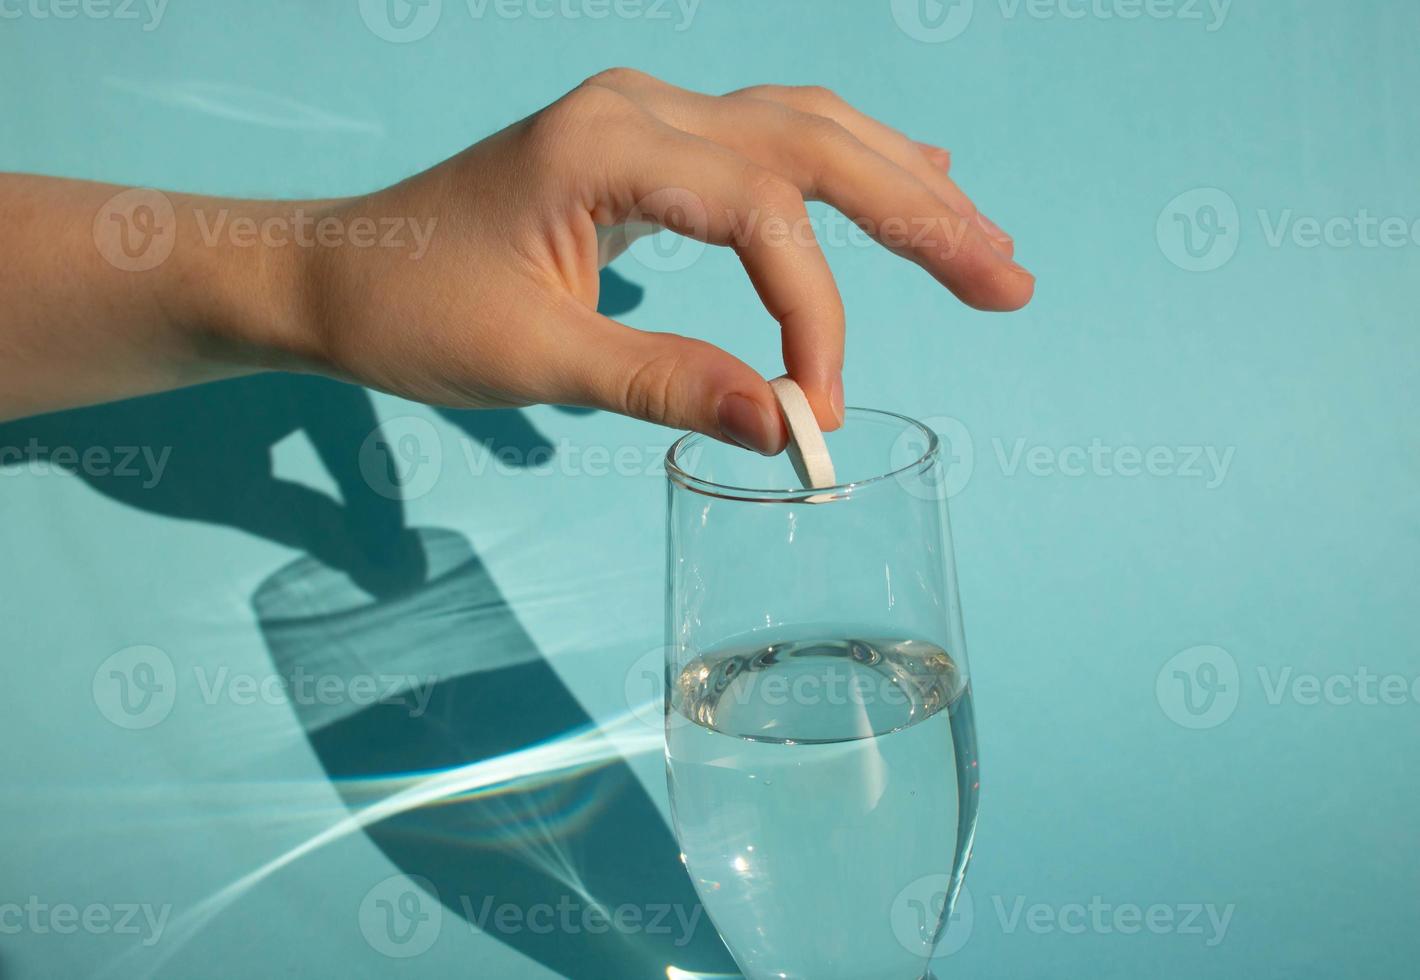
(991, 228)
(835, 398)
(744, 423)
(941, 159)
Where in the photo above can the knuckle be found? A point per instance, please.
(758, 92)
(771, 191)
(813, 99)
(821, 148)
(650, 387)
(587, 109)
(817, 99)
(594, 100)
(824, 133)
(618, 77)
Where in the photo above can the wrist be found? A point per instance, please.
(243, 282)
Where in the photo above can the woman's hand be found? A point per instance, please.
(495, 303)
(501, 310)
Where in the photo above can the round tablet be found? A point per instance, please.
(807, 450)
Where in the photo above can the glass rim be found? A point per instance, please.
(678, 475)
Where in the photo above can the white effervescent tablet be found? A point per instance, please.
(807, 450)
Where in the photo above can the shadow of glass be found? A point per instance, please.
(549, 844)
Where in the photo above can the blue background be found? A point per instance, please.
(1106, 779)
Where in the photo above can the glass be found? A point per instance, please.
(820, 746)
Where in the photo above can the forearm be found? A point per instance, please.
(105, 297)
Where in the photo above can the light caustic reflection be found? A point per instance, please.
(579, 751)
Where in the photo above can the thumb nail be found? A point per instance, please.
(835, 397)
(745, 424)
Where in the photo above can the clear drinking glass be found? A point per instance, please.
(821, 751)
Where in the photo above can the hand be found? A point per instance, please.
(501, 308)
(491, 301)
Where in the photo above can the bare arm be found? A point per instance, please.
(107, 292)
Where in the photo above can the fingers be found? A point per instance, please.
(942, 160)
(666, 379)
(894, 205)
(706, 191)
(898, 196)
(940, 157)
(929, 164)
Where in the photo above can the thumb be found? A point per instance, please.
(670, 380)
